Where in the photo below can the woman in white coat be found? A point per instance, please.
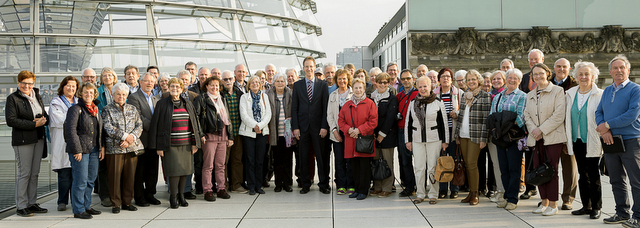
(255, 113)
(583, 140)
(339, 97)
(426, 135)
(59, 157)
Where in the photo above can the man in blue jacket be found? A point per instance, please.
(617, 114)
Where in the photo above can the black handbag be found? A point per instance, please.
(364, 143)
(544, 172)
(380, 169)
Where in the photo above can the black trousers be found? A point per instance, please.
(309, 140)
(102, 182)
(487, 177)
(146, 179)
(361, 174)
(268, 166)
(589, 180)
(528, 155)
(283, 157)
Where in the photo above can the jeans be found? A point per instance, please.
(254, 149)
(620, 165)
(406, 163)
(344, 176)
(84, 172)
(510, 160)
(65, 180)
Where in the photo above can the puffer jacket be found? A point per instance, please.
(80, 129)
(118, 123)
(207, 113)
(19, 117)
(546, 113)
(594, 146)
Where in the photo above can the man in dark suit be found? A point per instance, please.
(309, 124)
(146, 177)
(527, 84)
(203, 74)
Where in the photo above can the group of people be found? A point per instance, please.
(234, 134)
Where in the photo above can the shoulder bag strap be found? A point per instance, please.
(351, 112)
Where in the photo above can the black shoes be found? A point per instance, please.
(260, 191)
(266, 184)
(142, 203)
(92, 211)
(582, 211)
(83, 215)
(566, 207)
(252, 192)
(173, 202)
(405, 193)
(595, 214)
(304, 190)
(152, 200)
(222, 194)
(287, 189)
(277, 189)
(325, 190)
(24, 213)
(188, 195)
(526, 195)
(199, 191)
(115, 210)
(182, 201)
(442, 194)
(129, 208)
(453, 195)
(209, 197)
(36, 209)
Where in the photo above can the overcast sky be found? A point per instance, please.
(348, 23)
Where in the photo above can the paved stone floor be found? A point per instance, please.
(316, 210)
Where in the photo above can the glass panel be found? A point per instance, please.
(258, 61)
(75, 54)
(305, 15)
(266, 30)
(192, 23)
(221, 3)
(15, 16)
(15, 54)
(172, 55)
(310, 41)
(277, 7)
(92, 18)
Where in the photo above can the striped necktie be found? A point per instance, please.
(309, 90)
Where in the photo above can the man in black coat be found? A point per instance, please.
(527, 84)
(146, 177)
(309, 124)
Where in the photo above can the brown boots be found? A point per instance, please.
(472, 198)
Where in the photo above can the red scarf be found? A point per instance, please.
(92, 108)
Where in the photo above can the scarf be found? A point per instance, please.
(222, 111)
(66, 101)
(357, 100)
(420, 107)
(93, 109)
(470, 95)
(255, 106)
(33, 101)
(495, 92)
(377, 96)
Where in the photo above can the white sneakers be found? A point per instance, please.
(540, 209)
(511, 206)
(497, 197)
(550, 211)
(502, 204)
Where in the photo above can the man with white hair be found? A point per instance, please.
(240, 73)
(235, 167)
(422, 70)
(433, 75)
(534, 56)
(270, 71)
(460, 79)
(329, 73)
(215, 72)
(561, 78)
(292, 77)
(506, 64)
(89, 75)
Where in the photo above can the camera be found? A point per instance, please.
(39, 115)
(399, 116)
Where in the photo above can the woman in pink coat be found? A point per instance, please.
(359, 116)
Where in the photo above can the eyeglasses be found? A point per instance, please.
(383, 82)
(27, 84)
(227, 79)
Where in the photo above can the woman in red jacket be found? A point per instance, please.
(359, 116)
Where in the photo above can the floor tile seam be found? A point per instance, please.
(155, 217)
(248, 209)
(414, 205)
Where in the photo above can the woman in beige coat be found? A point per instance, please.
(583, 140)
(544, 116)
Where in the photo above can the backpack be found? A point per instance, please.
(444, 169)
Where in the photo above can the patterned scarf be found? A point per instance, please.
(33, 102)
(257, 113)
(420, 107)
(222, 111)
(357, 100)
(377, 96)
(66, 101)
(470, 95)
(93, 109)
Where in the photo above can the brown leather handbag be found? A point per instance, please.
(459, 170)
(444, 169)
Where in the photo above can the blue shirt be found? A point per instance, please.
(148, 97)
(332, 88)
(620, 108)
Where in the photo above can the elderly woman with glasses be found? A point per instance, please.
(386, 132)
(280, 98)
(25, 114)
(544, 116)
(123, 126)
